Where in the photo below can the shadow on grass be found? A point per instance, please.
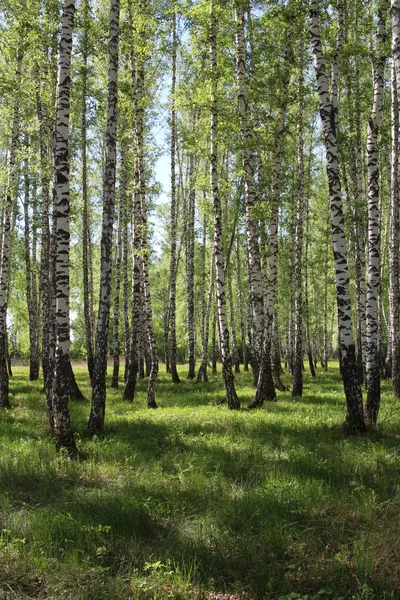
(252, 500)
(223, 511)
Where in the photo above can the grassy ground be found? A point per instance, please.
(193, 501)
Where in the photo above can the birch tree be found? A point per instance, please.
(230, 391)
(190, 236)
(374, 265)
(298, 342)
(329, 119)
(140, 277)
(260, 352)
(394, 203)
(86, 237)
(117, 278)
(59, 392)
(6, 241)
(97, 413)
(44, 276)
(31, 271)
(173, 259)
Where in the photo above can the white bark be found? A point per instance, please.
(328, 114)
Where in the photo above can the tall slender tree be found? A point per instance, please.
(173, 260)
(136, 330)
(30, 271)
(117, 277)
(44, 278)
(59, 392)
(202, 373)
(260, 352)
(148, 345)
(394, 203)
(374, 263)
(190, 237)
(277, 157)
(6, 241)
(97, 413)
(329, 118)
(298, 251)
(86, 237)
(230, 391)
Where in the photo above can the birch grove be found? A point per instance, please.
(218, 182)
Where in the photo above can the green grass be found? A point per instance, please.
(192, 500)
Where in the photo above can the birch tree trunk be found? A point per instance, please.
(62, 428)
(173, 261)
(35, 370)
(260, 352)
(374, 263)
(203, 298)
(230, 391)
(328, 114)
(117, 279)
(190, 304)
(235, 355)
(149, 347)
(166, 330)
(147, 309)
(97, 413)
(6, 241)
(243, 320)
(134, 354)
(272, 282)
(298, 251)
(44, 276)
(256, 295)
(324, 353)
(306, 269)
(207, 309)
(30, 274)
(394, 272)
(214, 349)
(86, 237)
(125, 286)
(357, 207)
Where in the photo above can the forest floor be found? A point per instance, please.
(194, 502)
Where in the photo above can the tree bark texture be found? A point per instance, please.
(200, 372)
(271, 294)
(30, 274)
(173, 225)
(97, 413)
(243, 320)
(147, 344)
(207, 310)
(86, 237)
(117, 277)
(328, 113)
(227, 374)
(190, 237)
(125, 282)
(6, 243)
(59, 393)
(44, 276)
(134, 354)
(374, 264)
(256, 290)
(394, 271)
(298, 251)
(260, 351)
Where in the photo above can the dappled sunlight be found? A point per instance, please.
(236, 500)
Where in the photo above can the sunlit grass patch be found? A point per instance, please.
(193, 499)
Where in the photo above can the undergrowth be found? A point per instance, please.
(193, 501)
